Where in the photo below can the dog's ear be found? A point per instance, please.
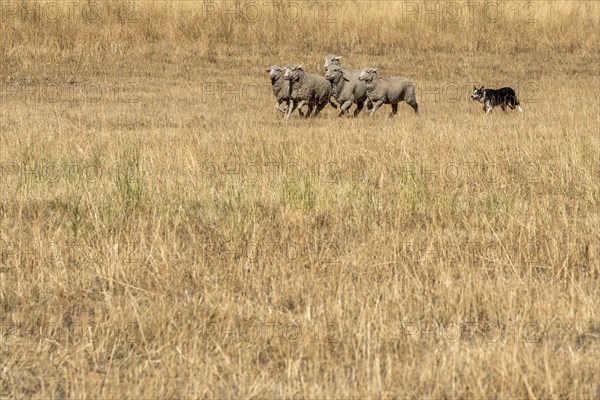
(474, 87)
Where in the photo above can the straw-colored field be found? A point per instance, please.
(165, 234)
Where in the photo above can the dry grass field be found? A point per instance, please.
(165, 234)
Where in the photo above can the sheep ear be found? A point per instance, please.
(346, 79)
(301, 67)
(337, 57)
(375, 69)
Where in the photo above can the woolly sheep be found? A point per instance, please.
(346, 89)
(332, 59)
(388, 91)
(280, 88)
(308, 89)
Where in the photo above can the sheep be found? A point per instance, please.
(388, 91)
(332, 59)
(346, 89)
(308, 89)
(280, 88)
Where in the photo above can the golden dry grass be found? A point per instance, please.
(164, 234)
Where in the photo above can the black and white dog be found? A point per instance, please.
(496, 97)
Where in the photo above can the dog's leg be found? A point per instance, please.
(485, 106)
(518, 105)
(488, 107)
(512, 102)
(503, 106)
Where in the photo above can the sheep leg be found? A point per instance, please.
(311, 109)
(394, 109)
(376, 106)
(278, 107)
(300, 105)
(291, 107)
(415, 106)
(345, 107)
(284, 110)
(359, 107)
(320, 107)
(300, 111)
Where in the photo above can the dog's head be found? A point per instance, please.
(478, 94)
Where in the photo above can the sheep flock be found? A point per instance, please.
(295, 88)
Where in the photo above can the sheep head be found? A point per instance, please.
(334, 73)
(293, 72)
(368, 74)
(332, 59)
(275, 72)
